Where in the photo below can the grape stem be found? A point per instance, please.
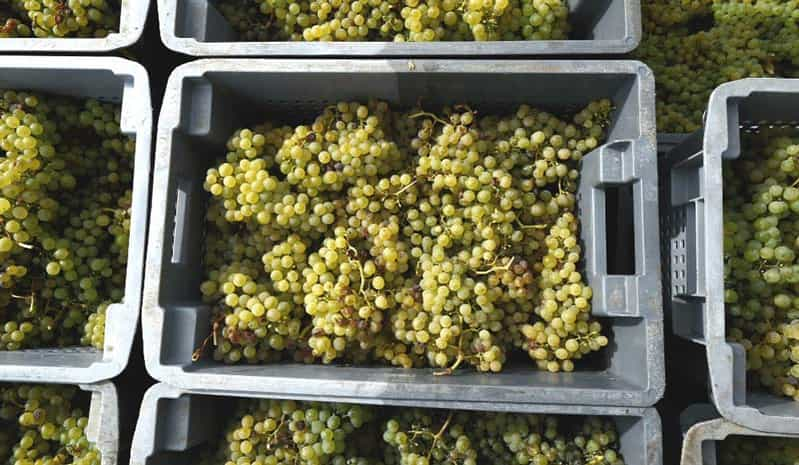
(197, 354)
(531, 226)
(435, 436)
(273, 436)
(363, 276)
(505, 267)
(429, 115)
(438, 435)
(406, 187)
(449, 370)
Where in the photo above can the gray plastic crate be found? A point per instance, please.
(103, 427)
(172, 422)
(702, 429)
(112, 80)
(206, 100)
(669, 140)
(133, 16)
(195, 27)
(692, 227)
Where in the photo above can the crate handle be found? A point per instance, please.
(624, 174)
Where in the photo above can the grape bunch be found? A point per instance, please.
(399, 21)
(43, 424)
(753, 450)
(267, 432)
(58, 18)
(407, 238)
(66, 175)
(695, 46)
(284, 431)
(761, 237)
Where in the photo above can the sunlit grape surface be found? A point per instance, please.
(398, 21)
(66, 174)
(271, 432)
(58, 18)
(409, 238)
(44, 425)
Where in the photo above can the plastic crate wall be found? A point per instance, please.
(693, 246)
(111, 80)
(176, 427)
(206, 100)
(703, 429)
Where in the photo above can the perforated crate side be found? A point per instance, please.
(693, 172)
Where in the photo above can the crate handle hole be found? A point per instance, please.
(182, 215)
(620, 229)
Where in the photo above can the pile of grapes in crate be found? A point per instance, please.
(411, 238)
(268, 432)
(747, 450)
(65, 196)
(58, 18)
(392, 20)
(761, 209)
(44, 424)
(693, 47)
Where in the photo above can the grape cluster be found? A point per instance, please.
(761, 237)
(752, 450)
(268, 432)
(58, 18)
(66, 174)
(399, 21)
(409, 238)
(42, 424)
(694, 46)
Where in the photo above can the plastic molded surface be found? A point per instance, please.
(702, 429)
(133, 16)
(103, 426)
(172, 422)
(195, 27)
(669, 140)
(206, 100)
(111, 80)
(693, 247)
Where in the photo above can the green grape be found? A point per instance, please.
(693, 47)
(66, 175)
(751, 450)
(44, 422)
(275, 431)
(407, 238)
(391, 20)
(59, 18)
(760, 239)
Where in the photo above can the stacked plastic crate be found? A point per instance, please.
(63, 67)
(203, 106)
(694, 276)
